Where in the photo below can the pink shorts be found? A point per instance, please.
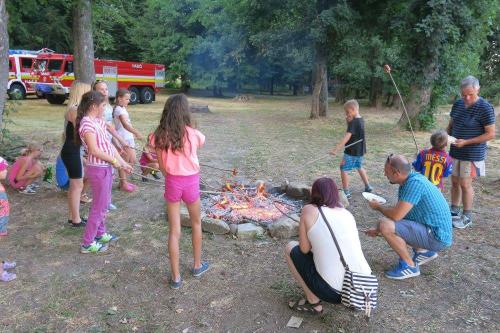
(186, 188)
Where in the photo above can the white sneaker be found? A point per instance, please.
(461, 223)
(27, 190)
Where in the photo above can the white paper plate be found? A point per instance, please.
(451, 139)
(370, 196)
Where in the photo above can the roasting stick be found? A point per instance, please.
(325, 156)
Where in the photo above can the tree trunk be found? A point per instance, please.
(417, 102)
(376, 92)
(271, 86)
(4, 55)
(420, 96)
(83, 41)
(319, 104)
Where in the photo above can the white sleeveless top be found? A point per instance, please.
(325, 254)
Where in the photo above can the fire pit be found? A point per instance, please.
(239, 203)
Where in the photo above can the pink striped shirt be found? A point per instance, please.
(97, 126)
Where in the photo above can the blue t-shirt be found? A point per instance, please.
(429, 206)
(469, 123)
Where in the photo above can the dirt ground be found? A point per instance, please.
(248, 286)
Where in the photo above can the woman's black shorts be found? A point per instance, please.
(73, 164)
(304, 263)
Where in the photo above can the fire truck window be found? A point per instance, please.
(55, 65)
(11, 66)
(68, 67)
(40, 65)
(26, 63)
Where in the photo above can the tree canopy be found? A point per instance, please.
(289, 46)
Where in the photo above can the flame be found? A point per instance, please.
(228, 187)
(261, 189)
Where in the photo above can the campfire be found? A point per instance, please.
(239, 204)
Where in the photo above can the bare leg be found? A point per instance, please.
(345, 179)
(174, 235)
(196, 232)
(467, 192)
(388, 230)
(456, 192)
(310, 296)
(74, 192)
(364, 176)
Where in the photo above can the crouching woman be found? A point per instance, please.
(314, 261)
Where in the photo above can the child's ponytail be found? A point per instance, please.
(88, 100)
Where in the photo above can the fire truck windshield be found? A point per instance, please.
(55, 65)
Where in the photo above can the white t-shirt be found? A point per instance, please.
(126, 135)
(325, 254)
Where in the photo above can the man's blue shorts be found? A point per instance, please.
(418, 235)
(350, 162)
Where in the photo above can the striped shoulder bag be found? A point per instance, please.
(359, 291)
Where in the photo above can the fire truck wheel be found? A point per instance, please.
(40, 94)
(134, 95)
(147, 95)
(17, 91)
(55, 99)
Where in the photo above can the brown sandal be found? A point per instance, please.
(303, 305)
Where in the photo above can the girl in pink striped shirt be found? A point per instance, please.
(176, 143)
(90, 130)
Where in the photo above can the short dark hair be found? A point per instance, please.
(439, 139)
(324, 192)
(399, 163)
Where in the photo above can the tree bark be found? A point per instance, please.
(83, 41)
(376, 92)
(4, 55)
(319, 104)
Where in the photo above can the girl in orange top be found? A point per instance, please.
(176, 143)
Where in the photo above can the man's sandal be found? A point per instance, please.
(303, 305)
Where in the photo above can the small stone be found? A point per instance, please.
(214, 226)
(298, 191)
(246, 230)
(179, 310)
(185, 220)
(124, 321)
(112, 311)
(294, 322)
(343, 199)
(284, 228)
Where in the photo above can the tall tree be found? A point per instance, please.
(83, 41)
(4, 54)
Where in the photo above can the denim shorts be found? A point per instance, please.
(304, 263)
(418, 235)
(350, 162)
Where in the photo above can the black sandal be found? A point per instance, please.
(82, 223)
(303, 305)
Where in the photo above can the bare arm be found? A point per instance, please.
(395, 213)
(129, 127)
(115, 159)
(342, 143)
(160, 162)
(488, 135)
(21, 173)
(307, 217)
(111, 129)
(450, 126)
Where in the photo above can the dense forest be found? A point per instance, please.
(289, 46)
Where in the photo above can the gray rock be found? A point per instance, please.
(195, 108)
(298, 191)
(214, 226)
(284, 227)
(343, 199)
(185, 220)
(246, 230)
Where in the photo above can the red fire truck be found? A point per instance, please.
(53, 75)
(20, 62)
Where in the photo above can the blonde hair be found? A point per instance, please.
(352, 103)
(77, 90)
(31, 147)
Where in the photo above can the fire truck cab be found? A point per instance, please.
(54, 74)
(20, 63)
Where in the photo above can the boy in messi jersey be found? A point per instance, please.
(435, 163)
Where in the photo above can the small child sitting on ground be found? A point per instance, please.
(4, 201)
(353, 156)
(435, 163)
(26, 169)
(149, 160)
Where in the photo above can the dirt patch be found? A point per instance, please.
(248, 285)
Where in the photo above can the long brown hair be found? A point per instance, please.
(171, 131)
(88, 99)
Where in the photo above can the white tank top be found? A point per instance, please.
(325, 254)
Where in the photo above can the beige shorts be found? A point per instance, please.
(468, 168)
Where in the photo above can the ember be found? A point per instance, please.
(239, 204)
